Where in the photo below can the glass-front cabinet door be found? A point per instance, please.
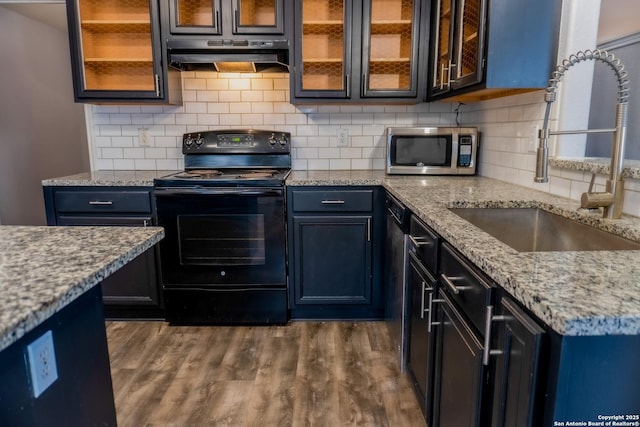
(258, 17)
(457, 44)
(323, 56)
(390, 48)
(442, 47)
(115, 49)
(217, 17)
(195, 17)
(469, 43)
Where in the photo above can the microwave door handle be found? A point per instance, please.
(454, 150)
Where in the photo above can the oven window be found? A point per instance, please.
(422, 150)
(221, 239)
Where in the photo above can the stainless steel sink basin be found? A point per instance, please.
(536, 230)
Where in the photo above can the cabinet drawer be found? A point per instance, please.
(467, 287)
(425, 242)
(333, 201)
(103, 201)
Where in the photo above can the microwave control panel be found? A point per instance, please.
(464, 150)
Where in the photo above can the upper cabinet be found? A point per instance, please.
(116, 54)
(482, 49)
(358, 50)
(220, 17)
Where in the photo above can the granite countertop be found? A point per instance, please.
(575, 293)
(631, 168)
(43, 269)
(121, 178)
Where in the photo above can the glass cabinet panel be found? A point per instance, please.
(470, 17)
(116, 45)
(323, 45)
(255, 13)
(391, 45)
(195, 16)
(441, 75)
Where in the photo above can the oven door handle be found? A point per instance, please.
(219, 191)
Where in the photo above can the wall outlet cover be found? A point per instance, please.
(143, 137)
(342, 137)
(42, 363)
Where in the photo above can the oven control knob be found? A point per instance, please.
(188, 141)
(199, 140)
(282, 140)
(272, 139)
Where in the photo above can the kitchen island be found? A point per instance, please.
(49, 281)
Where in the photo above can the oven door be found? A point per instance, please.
(222, 237)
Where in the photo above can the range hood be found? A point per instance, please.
(253, 56)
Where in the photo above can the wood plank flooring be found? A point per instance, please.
(303, 374)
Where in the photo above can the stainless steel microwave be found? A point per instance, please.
(432, 150)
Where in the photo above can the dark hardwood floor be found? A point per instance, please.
(303, 374)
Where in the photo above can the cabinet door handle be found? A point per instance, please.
(158, 86)
(101, 203)
(347, 85)
(431, 302)
(332, 202)
(449, 282)
(487, 352)
(368, 229)
(442, 70)
(236, 19)
(424, 288)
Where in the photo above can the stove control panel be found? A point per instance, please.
(234, 142)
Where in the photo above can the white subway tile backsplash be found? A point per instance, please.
(220, 101)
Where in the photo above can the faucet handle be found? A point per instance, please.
(593, 180)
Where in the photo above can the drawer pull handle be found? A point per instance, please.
(486, 352)
(419, 243)
(449, 282)
(101, 203)
(430, 322)
(333, 202)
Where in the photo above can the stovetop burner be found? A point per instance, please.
(225, 177)
(199, 174)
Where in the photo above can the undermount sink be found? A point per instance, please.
(536, 230)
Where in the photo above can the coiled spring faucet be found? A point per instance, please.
(612, 199)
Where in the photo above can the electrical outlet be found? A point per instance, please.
(42, 363)
(343, 137)
(143, 137)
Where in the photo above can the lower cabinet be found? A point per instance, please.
(516, 379)
(475, 356)
(334, 240)
(134, 290)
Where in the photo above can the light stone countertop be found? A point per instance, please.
(43, 269)
(600, 165)
(575, 293)
(117, 178)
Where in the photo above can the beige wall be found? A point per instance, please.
(42, 131)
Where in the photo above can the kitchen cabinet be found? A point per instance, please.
(215, 17)
(516, 381)
(460, 393)
(334, 260)
(482, 49)
(363, 50)
(132, 291)
(116, 53)
(82, 395)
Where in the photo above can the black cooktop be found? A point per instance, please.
(233, 177)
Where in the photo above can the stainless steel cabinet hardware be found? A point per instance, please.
(101, 203)
(431, 302)
(419, 243)
(487, 352)
(332, 202)
(449, 282)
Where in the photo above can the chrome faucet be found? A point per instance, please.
(613, 198)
